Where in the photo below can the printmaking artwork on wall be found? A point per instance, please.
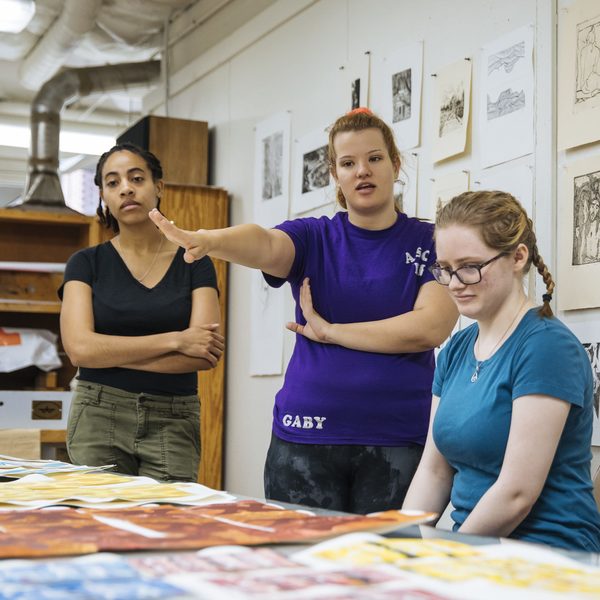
(452, 105)
(586, 219)
(506, 97)
(405, 187)
(578, 74)
(312, 182)
(593, 352)
(397, 93)
(272, 169)
(444, 187)
(578, 222)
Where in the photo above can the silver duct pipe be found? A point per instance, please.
(42, 186)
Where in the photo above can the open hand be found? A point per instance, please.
(316, 328)
(195, 243)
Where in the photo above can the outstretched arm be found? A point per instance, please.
(536, 426)
(425, 327)
(269, 250)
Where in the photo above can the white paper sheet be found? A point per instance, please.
(506, 97)
(397, 93)
(451, 109)
(312, 184)
(579, 235)
(445, 187)
(272, 170)
(267, 327)
(578, 74)
(406, 188)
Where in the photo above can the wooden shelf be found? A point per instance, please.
(53, 436)
(29, 307)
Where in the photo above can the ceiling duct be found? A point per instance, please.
(42, 187)
(77, 18)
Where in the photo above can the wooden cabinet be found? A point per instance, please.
(180, 144)
(202, 207)
(28, 298)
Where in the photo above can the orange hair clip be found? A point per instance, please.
(359, 110)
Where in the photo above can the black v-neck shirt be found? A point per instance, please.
(124, 306)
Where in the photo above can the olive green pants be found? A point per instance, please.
(141, 434)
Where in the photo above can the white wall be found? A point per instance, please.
(288, 58)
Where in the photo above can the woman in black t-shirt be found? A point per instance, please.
(139, 323)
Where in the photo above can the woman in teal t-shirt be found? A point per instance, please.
(510, 440)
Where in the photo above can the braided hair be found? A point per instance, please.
(503, 224)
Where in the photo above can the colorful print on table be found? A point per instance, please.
(63, 531)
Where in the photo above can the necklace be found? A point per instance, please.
(479, 363)
(140, 279)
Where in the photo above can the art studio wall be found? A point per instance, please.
(299, 57)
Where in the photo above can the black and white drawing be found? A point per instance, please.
(593, 351)
(272, 169)
(401, 95)
(587, 81)
(505, 60)
(355, 93)
(452, 110)
(272, 184)
(508, 101)
(505, 97)
(315, 170)
(586, 219)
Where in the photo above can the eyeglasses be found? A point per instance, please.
(467, 274)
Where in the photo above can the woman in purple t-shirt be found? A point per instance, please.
(351, 419)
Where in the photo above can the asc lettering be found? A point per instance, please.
(303, 422)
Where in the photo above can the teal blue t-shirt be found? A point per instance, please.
(472, 424)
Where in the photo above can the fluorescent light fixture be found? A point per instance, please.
(75, 142)
(15, 14)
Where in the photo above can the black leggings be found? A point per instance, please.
(357, 479)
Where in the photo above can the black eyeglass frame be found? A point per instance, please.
(435, 267)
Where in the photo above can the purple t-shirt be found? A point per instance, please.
(334, 395)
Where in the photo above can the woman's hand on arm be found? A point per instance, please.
(536, 426)
(432, 483)
(269, 250)
(86, 348)
(426, 326)
(200, 346)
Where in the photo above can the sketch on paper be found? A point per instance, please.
(506, 59)
(593, 352)
(401, 95)
(586, 219)
(452, 110)
(587, 81)
(315, 170)
(272, 166)
(355, 93)
(506, 103)
(271, 169)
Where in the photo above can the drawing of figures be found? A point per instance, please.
(506, 59)
(452, 110)
(588, 60)
(593, 350)
(507, 102)
(586, 219)
(401, 95)
(272, 166)
(315, 170)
